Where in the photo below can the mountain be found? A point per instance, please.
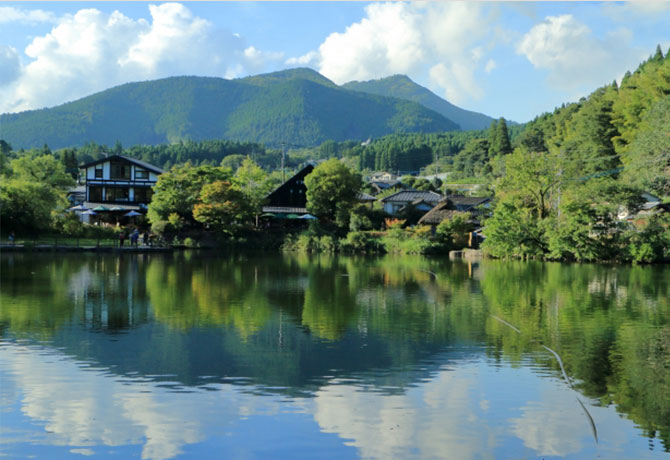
(297, 106)
(402, 87)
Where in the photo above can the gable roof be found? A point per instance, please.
(467, 202)
(361, 196)
(409, 196)
(140, 163)
(440, 212)
(282, 196)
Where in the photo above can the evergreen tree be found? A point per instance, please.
(658, 56)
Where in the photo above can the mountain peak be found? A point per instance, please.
(297, 73)
(402, 87)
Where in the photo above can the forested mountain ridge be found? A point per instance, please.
(403, 87)
(297, 106)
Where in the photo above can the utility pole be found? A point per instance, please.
(283, 154)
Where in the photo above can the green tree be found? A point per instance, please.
(499, 143)
(178, 191)
(27, 205)
(254, 182)
(331, 191)
(647, 162)
(42, 169)
(233, 161)
(222, 207)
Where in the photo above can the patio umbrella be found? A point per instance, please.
(79, 207)
(133, 214)
(308, 217)
(101, 208)
(117, 208)
(89, 213)
(292, 216)
(268, 214)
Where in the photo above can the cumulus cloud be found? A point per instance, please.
(573, 56)
(91, 51)
(443, 40)
(10, 14)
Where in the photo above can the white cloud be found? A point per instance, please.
(10, 65)
(10, 14)
(91, 51)
(574, 57)
(310, 59)
(490, 66)
(96, 409)
(443, 40)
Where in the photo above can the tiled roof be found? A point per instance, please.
(408, 196)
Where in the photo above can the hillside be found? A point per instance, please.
(402, 87)
(297, 106)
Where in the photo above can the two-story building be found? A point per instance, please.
(119, 183)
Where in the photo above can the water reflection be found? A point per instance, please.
(397, 357)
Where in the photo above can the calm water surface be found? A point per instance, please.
(197, 356)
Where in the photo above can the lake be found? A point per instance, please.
(196, 355)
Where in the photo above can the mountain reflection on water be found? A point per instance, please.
(394, 357)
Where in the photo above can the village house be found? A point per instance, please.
(650, 206)
(473, 207)
(289, 200)
(119, 184)
(420, 201)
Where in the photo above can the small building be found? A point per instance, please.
(365, 198)
(291, 196)
(451, 206)
(383, 177)
(119, 184)
(422, 201)
(650, 206)
(442, 211)
(76, 195)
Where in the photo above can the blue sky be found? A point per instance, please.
(508, 59)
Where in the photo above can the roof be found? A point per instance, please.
(467, 201)
(409, 196)
(77, 189)
(360, 196)
(109, 206)
(386, 184)
(439, 213)
(140, 163)
(284, 210)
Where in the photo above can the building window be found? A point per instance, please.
(98, 172)
(95, 194)
(141, 174)
(117, 194)
(143, 194)
(119, 170)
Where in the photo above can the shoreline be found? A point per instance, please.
(53, 248)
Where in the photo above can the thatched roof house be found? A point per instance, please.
(443, 210)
